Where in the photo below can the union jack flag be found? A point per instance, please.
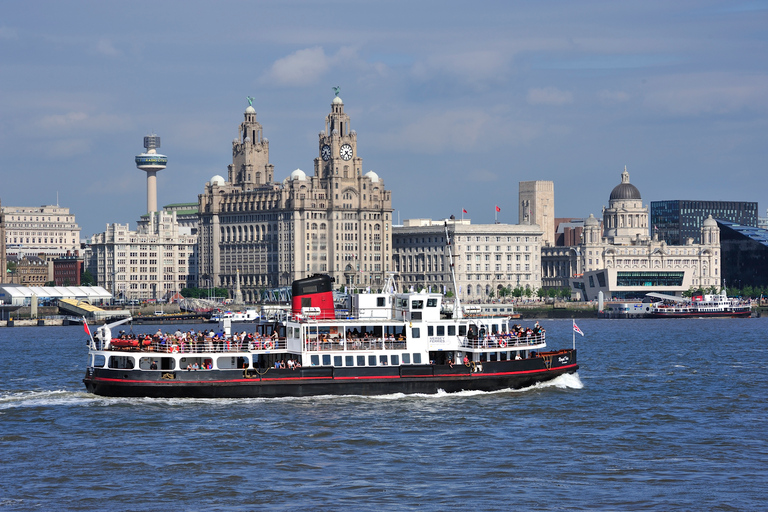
(576, 328)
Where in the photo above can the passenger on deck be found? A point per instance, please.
(466, 360)
(153, 365)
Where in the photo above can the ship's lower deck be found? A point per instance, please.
(330, 380)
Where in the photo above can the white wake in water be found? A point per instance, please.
(41, 398)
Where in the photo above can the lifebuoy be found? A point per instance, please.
(268, 345)
(174, 349)
(502, 343)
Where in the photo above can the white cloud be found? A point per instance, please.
(707, 93)
(67, 148)
(549, 96)
(613, 97)
(459, 131)
(300, 68)
(105, 47)
(472, 67)
(82, 120)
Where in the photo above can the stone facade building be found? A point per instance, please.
(336, 222)
(153, 262)
(40, 229)
(536, 205)
(487, 257)
(622, 260)
(30, 270)
(3, 261)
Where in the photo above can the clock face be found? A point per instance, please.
(326, 152)
(346, 152)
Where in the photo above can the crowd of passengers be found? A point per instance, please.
(517, 335)
(195, 341)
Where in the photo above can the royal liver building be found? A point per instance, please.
(268, 234)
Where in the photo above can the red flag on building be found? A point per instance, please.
(498, 209)
(464, 211)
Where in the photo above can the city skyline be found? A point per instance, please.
(486, 98)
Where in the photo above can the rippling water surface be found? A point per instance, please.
(663, 415)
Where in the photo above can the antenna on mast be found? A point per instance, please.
(457, 311)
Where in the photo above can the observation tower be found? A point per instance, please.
(151, 162)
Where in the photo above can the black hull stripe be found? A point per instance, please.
(459, 376)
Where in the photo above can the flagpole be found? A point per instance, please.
(573, 331)
(88, 330)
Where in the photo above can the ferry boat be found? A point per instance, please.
(389, 343)
(710, 305)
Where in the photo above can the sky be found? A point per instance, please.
(454, 103)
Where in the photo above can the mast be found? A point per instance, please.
(457, 311)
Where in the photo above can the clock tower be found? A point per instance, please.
(338, 147)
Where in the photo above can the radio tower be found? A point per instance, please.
(151, 162)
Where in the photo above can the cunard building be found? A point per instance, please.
(266, 234)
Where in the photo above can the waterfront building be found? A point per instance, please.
(30, 270)
(67, 270)
(3, 262)
(265, 234)
(186, 216)
(537, 206)
(622, 260)
(154, 262)
(50, 230)
(619, 257)
(678, 220)
(487, 257)
(745, 254)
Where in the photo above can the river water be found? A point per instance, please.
(663, 415)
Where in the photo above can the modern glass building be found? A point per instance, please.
(745, 254)
(676, 221)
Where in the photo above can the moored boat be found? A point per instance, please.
(710, 305)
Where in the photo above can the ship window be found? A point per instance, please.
(417, 304)
(406, 358)
(326, 359)
(451, 330)
(349, 360)
(430, 330)
(416, 358)
(441, 330)
(336, 360)
(99, 360)
(121, 362)
(380, 301)
(431, 303)
(360, 360)
(494, 329)
(462, 330)
(395, 360)
(371, 360)
(315, 360)
(383, 360)
(416, 332)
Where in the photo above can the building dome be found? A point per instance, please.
(337, 100)
(250, 110)
(298, 174)
(218, 181)
(374, 177)
(625, 190)
(591, 221)
(709, 222)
